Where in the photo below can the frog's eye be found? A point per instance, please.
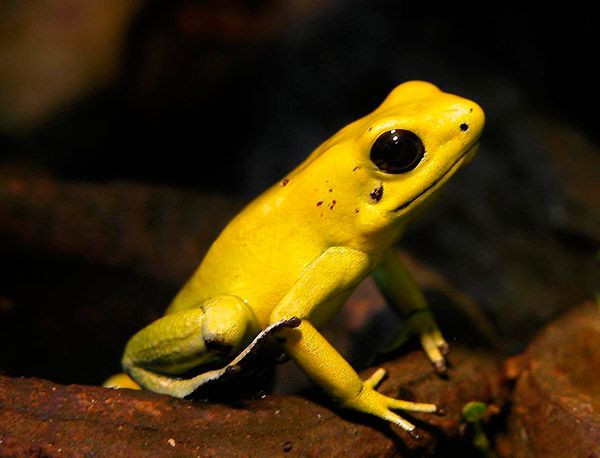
(397, 151)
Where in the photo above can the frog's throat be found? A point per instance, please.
(437, 183)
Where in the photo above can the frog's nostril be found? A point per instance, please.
(464, 127)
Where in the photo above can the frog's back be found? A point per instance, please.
(258, 256)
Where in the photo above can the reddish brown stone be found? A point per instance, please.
(556, 404)
(40, 418)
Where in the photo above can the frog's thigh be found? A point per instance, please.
(188, 339)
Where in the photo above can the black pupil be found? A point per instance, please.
(397, 151)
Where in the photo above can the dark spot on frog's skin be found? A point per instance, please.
(356, 168)
(319, 203)
(287, 447)
(471, 110)
(330, 190)
(284, 181)
(218, 345)
(332, 204)
(292, 322)
(356, 210)
(377, 193)
(464, 127)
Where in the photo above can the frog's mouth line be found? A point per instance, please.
(441, 180)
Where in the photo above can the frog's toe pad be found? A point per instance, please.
(415, 434)
(440, 366)
(444, 348)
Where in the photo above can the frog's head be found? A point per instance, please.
(370, 178)
(409, 147)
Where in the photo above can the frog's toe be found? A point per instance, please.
(415, 434)
(410, 406)
(444, 348)
(440, 366)
(402, 423)
(376, 378)
(440, 342)
(434, 354)
(407, 406)
(370, 401)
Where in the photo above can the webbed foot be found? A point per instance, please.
(368, 400)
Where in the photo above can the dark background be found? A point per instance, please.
(226, 97)
(197, 89)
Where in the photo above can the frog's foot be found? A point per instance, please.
(370, 401)
(436, 349)
(435, 346)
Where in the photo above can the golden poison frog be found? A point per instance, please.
(287, 262)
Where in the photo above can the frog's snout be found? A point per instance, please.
(473, 120)
(468, 120)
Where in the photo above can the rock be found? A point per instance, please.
(161, 231)
(41, 418)
(556, 403)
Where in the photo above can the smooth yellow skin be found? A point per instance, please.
(300, 249)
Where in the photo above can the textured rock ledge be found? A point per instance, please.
(40, 418)
(556, 403)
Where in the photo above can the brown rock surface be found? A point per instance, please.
(162, 231)
(556, 404)
(40, 418)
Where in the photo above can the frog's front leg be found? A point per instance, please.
(336, 271)
(401, 291)
(188, 339)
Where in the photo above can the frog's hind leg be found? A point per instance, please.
(188, 339)
(182, 387)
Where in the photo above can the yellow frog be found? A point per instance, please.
(287, 262)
